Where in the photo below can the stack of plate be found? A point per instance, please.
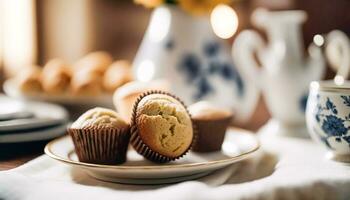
(24, 121)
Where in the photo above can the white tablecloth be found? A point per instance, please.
(286, 168)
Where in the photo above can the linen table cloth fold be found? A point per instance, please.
(287, 168)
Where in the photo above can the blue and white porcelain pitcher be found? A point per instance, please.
(285, 73)
(184, 50)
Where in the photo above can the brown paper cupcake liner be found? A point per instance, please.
(100, 146)
(137, 142)
(211, 134)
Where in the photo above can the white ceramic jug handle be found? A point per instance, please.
(246, 44)
(338, 52)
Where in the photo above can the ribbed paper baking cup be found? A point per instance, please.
(141, 147)
(100, 146)
(211, 134)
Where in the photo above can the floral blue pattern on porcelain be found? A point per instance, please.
(333, 124)
(303, 101)
(169, 45)
(199, 68)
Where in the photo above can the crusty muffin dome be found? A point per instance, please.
(100, 118)
(164, 125)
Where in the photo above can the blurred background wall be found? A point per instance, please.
(50, 28)
(34, 31)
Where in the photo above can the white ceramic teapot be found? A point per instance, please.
(284, 74)
(184, 50)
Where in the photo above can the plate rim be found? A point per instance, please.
(48, 151)
(34, 135)
(38, 103)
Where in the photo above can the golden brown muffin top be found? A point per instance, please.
(206, 111)
(100, 118)
(164, 125)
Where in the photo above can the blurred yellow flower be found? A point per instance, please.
(149, 3)
(200, 7)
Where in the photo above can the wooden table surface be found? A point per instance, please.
(13, 155)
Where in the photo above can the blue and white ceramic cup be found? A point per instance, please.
(328, 117)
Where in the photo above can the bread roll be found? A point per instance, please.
(96, 62)
(117, 74)
(56, 76)
(86, 83)
(28, 80)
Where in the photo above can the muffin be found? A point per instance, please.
(161, 127)
(86, 83)
(211, 123)
(56, 76)
(28, 80)
(100, 136)
(95, 62)
(117, 74)
(125, 96)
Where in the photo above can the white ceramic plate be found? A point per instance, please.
(43, 134)
(11, 90)
(238, 145)
(53, 114)
(31, 123)
(19, 132)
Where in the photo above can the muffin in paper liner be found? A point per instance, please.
(212, 122)
(100, 145)
(211, 134)
(140, 145)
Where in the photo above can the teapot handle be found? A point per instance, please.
(338, 52)
(245, 45)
